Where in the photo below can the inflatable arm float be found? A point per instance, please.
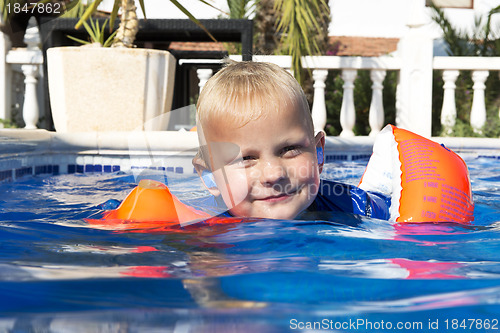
(150, 204)
(426, 181)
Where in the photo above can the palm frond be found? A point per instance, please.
(241, 9)
(88, 13)
(457, 42)
(299, 25)
(96, 33)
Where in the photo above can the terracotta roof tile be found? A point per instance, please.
(361, 46)
(196, 46)
(339, 45)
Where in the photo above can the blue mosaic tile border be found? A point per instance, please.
(487, 156)
(347, 157)
(19, 167)
(79, 168)
(8, 175)
(168, 169)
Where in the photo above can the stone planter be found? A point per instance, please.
(110, 89)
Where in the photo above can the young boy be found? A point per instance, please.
(258, 150)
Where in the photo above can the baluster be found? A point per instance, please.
(376, 114)
(478, 111)
(319, 107)
(30, 107)
(31, 110)
(449, 110)
(204, 74)
(5, 76)
(347, 111)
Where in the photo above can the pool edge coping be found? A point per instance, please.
(156, 142)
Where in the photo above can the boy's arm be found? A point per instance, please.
(335, 196)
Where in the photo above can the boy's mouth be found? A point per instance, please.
(278, 197)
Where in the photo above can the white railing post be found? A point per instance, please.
(5, 76)
(376, 114)
(31, 111)
(347, 111)
(204, 74)
(449, 109)
(319, 107)
(414, 95)
(478, 111)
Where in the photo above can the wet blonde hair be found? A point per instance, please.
(245, 91)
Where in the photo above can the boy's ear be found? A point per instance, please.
(320, 149)
(206, 175)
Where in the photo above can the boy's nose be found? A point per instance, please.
(271, 172)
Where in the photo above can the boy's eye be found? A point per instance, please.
(291, 151)
(243, 161)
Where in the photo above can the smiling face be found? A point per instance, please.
(257, 139)
(268, 167)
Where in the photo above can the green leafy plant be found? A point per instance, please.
(75, 10)
(5, 123)
(96, 34)
(129, 23)
(483, 41)
(362, 100)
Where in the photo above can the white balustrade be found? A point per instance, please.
(30, 60)
(478, 111)
(318, 112)
(204, 74)
(376, 114)
(449, 109)
(347, 111)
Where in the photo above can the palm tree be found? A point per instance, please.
(301, 26)
(267, 37)
(481, 42)
(300, 23)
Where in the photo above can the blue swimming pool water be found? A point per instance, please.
(333, 272)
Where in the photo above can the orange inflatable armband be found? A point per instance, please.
(151, 204)
(426, 181)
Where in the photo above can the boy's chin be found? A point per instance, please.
(281, 214)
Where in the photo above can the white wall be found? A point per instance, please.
(367, 18)
(388, 18)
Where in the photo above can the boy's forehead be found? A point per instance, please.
(234, 116)
(289, 124)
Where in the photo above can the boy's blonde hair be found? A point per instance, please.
(245, 91)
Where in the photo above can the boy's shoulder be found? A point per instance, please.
(336, 196)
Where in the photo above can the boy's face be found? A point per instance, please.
(268, 167)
